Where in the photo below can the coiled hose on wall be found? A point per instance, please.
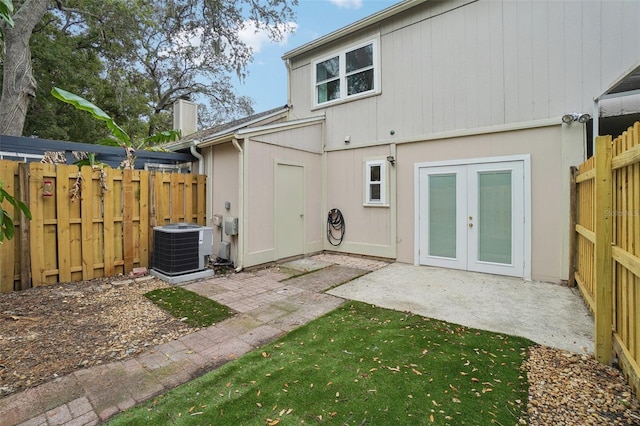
(335, 227)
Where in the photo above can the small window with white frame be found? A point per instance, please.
(375, 182)
(349, 73)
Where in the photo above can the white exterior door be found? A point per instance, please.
(472, 217)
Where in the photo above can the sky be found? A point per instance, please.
(266, 82)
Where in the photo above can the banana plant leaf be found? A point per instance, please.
(84, 105)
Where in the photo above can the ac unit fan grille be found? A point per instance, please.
(175, 253)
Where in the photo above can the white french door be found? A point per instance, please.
(472, 217)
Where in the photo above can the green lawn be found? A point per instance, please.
(190, 307)
(358, 365)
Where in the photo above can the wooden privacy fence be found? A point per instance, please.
(607, 247)
(90, 223)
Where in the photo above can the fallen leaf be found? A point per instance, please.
(431, 418)
(273, 422)
(456, 400)
(416, 371)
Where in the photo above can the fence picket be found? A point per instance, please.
(127, 220)
(617, 212)
(63, 217)
(93, 233)
(8, 170)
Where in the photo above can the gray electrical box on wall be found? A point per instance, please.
(231, 226)
(224, 251)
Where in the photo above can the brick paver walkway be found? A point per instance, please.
(268, 305)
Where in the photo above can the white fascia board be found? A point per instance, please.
(352, 28)
(270, 128)
(178, 145)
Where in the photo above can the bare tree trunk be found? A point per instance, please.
(18, 84)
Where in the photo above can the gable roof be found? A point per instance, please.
(237, 124)
(352, 28)
(226, 128)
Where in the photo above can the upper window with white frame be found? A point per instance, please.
(350, 73)
(375, 182)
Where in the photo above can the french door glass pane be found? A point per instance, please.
(494, 217)
(442, 215)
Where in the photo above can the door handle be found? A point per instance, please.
(470, 225)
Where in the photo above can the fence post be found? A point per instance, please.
(25, 226)
(573, 235)
(603, 294)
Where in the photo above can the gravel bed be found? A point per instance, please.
(573, 389)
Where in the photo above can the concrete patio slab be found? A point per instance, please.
(548, 314)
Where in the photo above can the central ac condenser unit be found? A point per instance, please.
(181, 248)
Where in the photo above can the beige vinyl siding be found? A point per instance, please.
(368, 229)
(485, 63)
(222, 161)
(259, 199)
(549, 183)
(306, 138)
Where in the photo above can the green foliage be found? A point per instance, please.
(193, 309)
(358, 365)
(7, 229)
(6, 10)
(84, 105)
(64, 60)
(120, 137)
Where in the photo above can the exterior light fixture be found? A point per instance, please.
(574, 116)
(583, 118)
(391, 160)
(347, 139)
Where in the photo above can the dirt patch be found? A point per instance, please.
(48, 332)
